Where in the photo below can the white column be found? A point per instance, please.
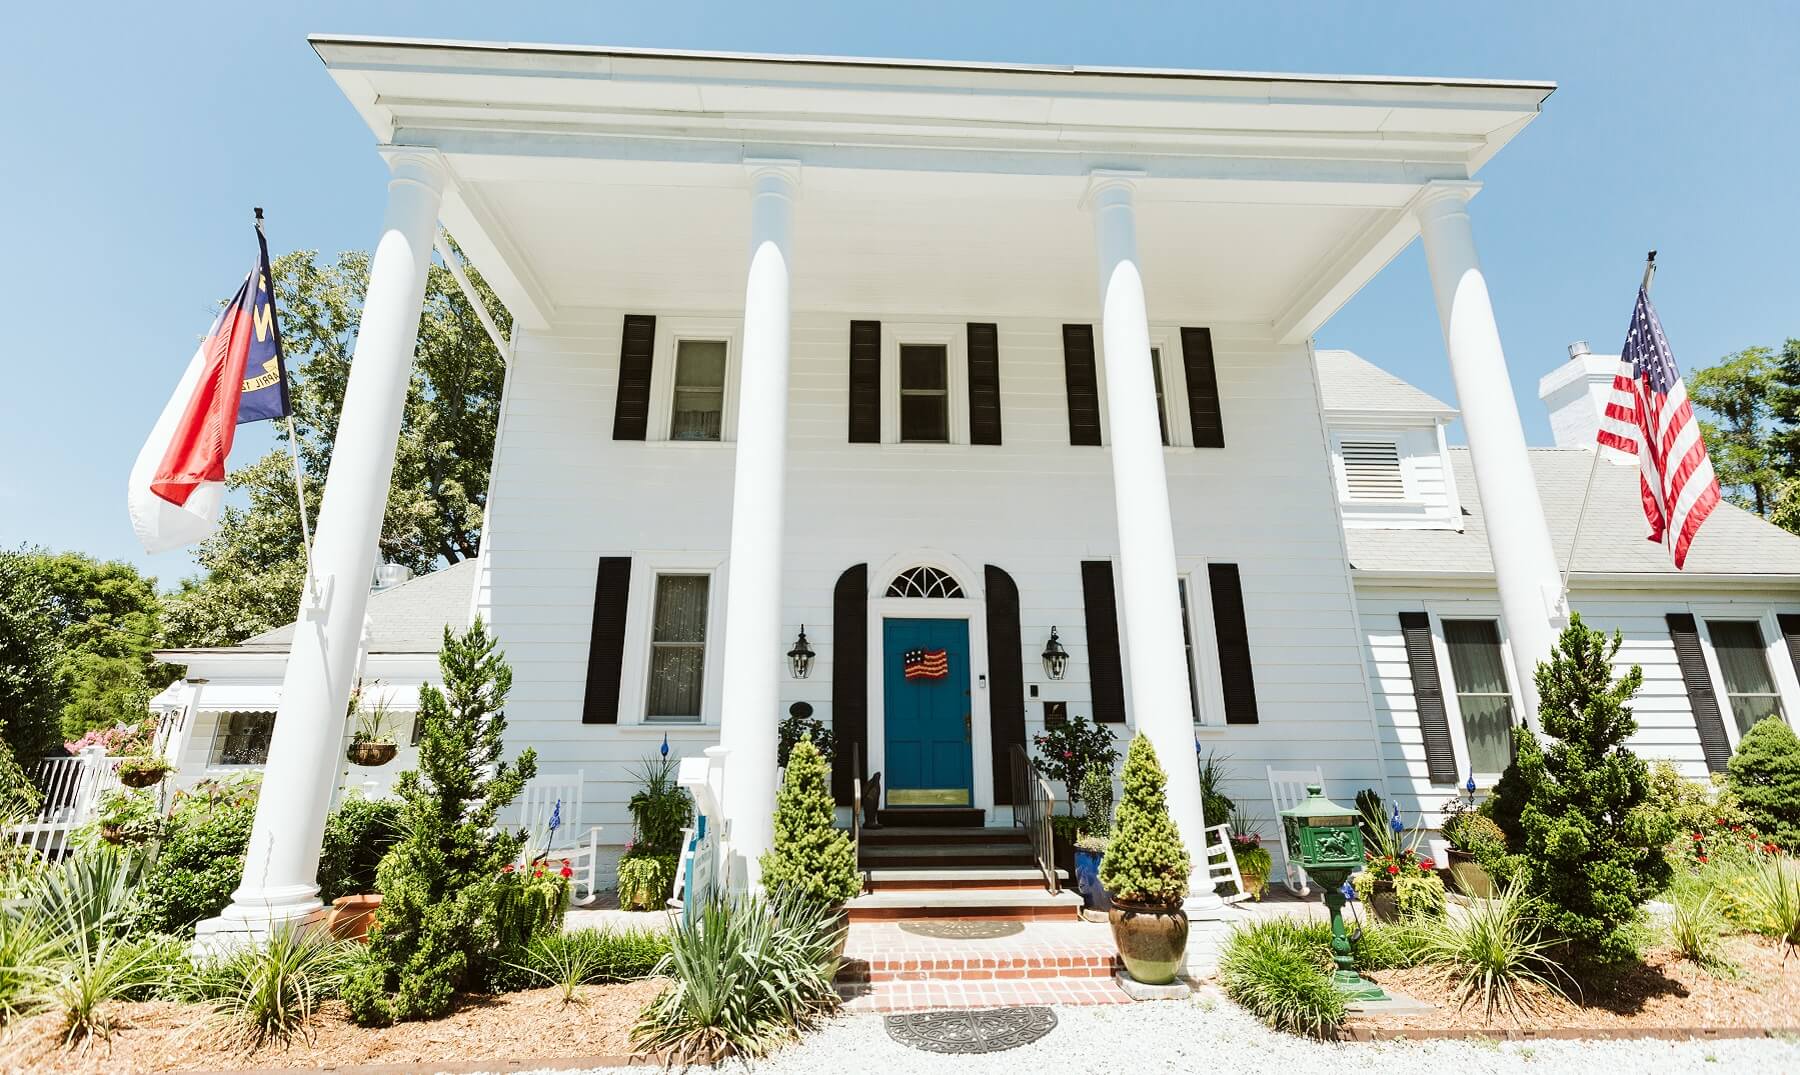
(1152, 604)
(753, 645)
(305, 751)
(1525, 570)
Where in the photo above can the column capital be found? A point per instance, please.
(1438, 195)
(1110, 186)
(424, 165)
(772, 175)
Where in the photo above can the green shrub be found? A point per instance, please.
(646, 881)
(1764, 774)
(1273, 969)
(357, 834)
(1068, 750)
(802, 725)
(570, 960)
(1693, 806)
(1576, 808)
(1065, 828)
(1146, 863)
(660, 809)
(747, 978)
(1774, 901)
(270, 991)
(812, 858)
(444, 881)
(1096, 802)
(1472, 832)
(1494, 953)
(200, 860)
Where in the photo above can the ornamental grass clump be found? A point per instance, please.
(1586, 839)
(1146, 864)
(1276, 970)
(1764, 776)
(1495, 954)
(271, 991)
(811, 859)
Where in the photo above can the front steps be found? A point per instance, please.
(927, 862)
(1064, 962)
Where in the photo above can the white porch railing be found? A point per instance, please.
(71, 789)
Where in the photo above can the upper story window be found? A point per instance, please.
(697, 399)
(1162, 403)
(678, 648)
(1372, 470)
(242, 738)
(1483, 697)
(1750, 689)
(1187, 639)
(924, 394)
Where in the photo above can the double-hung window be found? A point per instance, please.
(1162, 403)
(242, 738)
(1744, 662)
(1187, 639)
(677, 648)
(697, 401)
(1483, 697)
(924, 394)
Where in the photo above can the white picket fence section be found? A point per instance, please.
(71, 787)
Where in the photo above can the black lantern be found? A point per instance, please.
(1056, 659)
(800, 658)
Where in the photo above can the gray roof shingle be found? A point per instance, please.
(1351, 383)
(409, 618)
(1732, 541)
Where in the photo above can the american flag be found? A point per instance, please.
(925, 664)
(1649, 415)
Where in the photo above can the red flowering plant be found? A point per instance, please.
(1396, 880)
(1066, 751)
(1729, 843)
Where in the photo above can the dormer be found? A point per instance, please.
(1389, 455)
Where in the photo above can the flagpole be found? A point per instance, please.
(1594, 467)
(294, 454)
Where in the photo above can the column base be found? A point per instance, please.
(249, 921)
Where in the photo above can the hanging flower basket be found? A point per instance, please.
(142, 772)
(371, 754)
(112, 834)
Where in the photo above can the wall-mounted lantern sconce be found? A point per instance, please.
(1056, 659)
(800, 658)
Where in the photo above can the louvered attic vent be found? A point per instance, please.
(1372, 470)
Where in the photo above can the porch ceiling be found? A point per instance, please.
(590, 177)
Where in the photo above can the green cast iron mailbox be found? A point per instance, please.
(1327, 841)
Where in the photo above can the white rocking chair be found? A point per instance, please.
(1221, 862)
(1287, 789)
(552, 822)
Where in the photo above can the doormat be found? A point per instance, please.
(950, 929)
(965, 1032)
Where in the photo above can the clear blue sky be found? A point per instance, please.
(139, 135)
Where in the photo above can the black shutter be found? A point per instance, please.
(1106, 676)
(1082, 378)
(849, 679)
(1428, 697)
(1790, 630)
(865, 382)
(631, 410)
(1708, 721)
(1236, 681)
(1202, 388)
(606, 645)
(1006, 677)
(984, 384)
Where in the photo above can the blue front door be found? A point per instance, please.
(926, 712)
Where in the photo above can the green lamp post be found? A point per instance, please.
(1328, 842)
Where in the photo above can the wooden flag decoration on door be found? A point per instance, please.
(925, 664)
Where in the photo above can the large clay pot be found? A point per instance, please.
(1087, 880)
(1151, 940)
(351, 916)
(372, 754)
(1470, 878)
(1383, 904)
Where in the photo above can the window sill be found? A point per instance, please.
(1211, 731)
(659, 727)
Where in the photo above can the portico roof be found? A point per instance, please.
(584, 177)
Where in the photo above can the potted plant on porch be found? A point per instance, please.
(1472, 836)
(1146, 872)
(1090, 845)
(372, 743)
(1396, 882)
(143, 770)
(1253, 859)
(812, 859)
(1065, 752)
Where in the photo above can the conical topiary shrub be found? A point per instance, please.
(1765, 774)
(812, 858)
(1146, 863)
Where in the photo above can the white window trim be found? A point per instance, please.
(634, 684)
(1165, 341)
(670, 331)
(1209, 678)
(1781, 668)
(218, 737)
(1440, 652)
(953, 338)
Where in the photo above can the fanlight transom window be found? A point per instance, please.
(923, 581)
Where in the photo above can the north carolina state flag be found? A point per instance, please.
(238, 375)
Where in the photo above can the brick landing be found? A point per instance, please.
(887, 969)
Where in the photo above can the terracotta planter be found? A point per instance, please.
(141, 778)
(1151, 940)
(371, 754)
(1470, 878)
(351, 916)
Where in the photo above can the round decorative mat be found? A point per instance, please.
(950, 929)
(963, 1032)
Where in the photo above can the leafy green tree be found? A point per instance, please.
(811, 858)
(442, 884)
(1765, 776)
(254, 566)
(1146, 863)
(1739, 436)
(30, 691)
(1577, 809)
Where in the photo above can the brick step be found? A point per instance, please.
(915, 879)
(911, 996)
(964, 903)
(979, 967)
(943, 836)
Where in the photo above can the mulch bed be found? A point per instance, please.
(161, 1036)
(1664, 996)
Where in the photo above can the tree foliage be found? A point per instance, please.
(1750, 415)
(1146, 862)
(1586, 837)
(444, 882)
(254, 566)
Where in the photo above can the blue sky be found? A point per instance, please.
(140, 135)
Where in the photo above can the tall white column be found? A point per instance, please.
(1152, 603)
(753, 646)
(1525, 570)
(305, 750)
